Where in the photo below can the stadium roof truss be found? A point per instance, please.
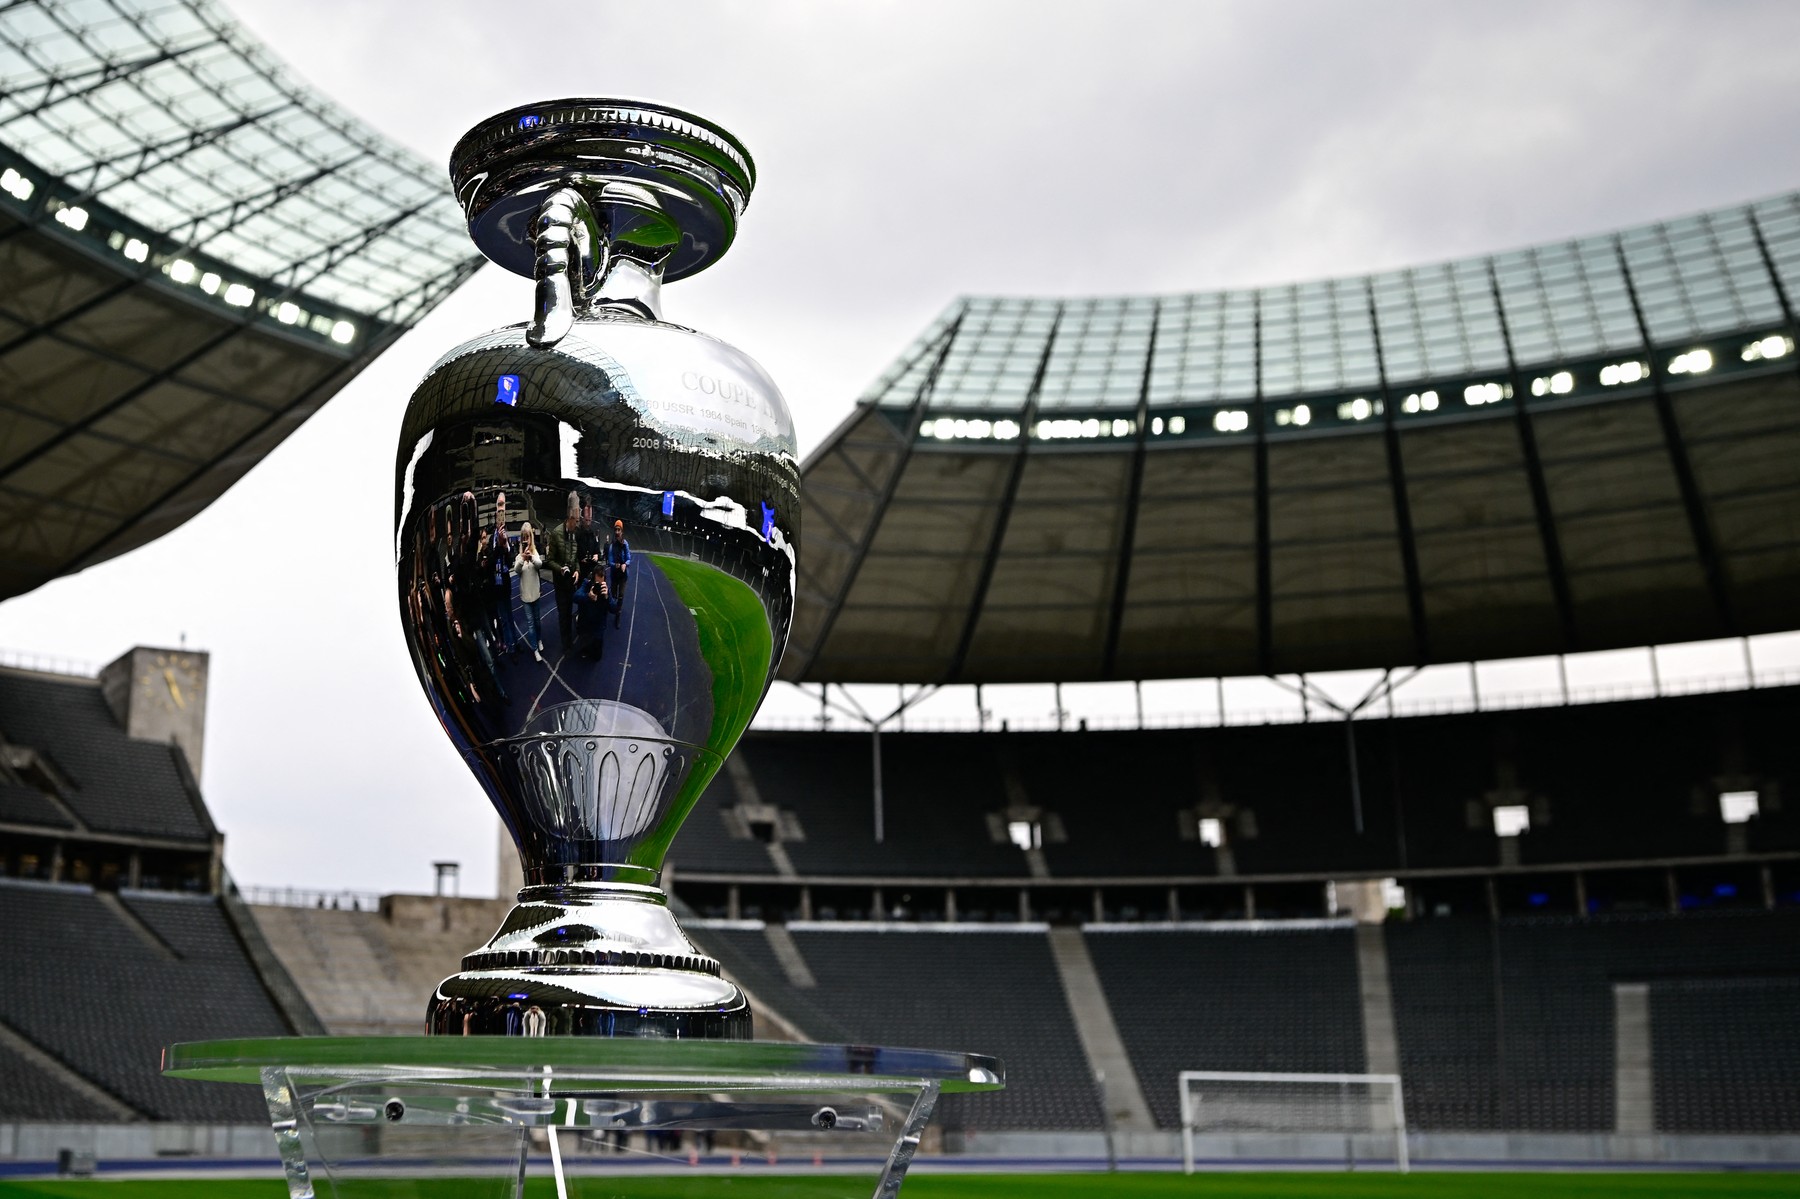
(196, 252)
(1578, 446)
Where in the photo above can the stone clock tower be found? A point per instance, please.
(160, 695)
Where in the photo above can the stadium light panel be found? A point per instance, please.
(1422, 401)
(180, 270)
(1773, 346)
(1006, 430)
(1560, 384)
(209, 283)
(137, 249)
(1231, 420)
(75, 218)
(1693, 362)
(1156, 426)
(1737, 807)
(239, 295)
(1178, 424)
(1510, 820)
(288, 313)
(1616, 373)
(1357, 409)
(16, 185)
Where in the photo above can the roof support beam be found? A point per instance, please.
(153, 155)
(1133, 491)
(63, 339)
(1003, 510)
(333, 378)
(915, 415)
(332, 255)
(1705, 548)
(1560, 593)
(92, 80)
(1403, 524)
(1265, 579)
(426, 297)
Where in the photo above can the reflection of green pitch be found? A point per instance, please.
(627, 1184)
(735, 640)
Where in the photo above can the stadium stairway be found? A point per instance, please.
(372, 972)
(1100, 1038)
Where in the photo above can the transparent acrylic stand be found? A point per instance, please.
(359, 1117)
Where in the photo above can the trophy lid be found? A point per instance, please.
(668, 185)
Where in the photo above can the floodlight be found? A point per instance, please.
(1737, 807)
(1511, 819)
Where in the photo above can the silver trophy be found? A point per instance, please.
(597, 515)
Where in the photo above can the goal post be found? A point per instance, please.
(1352, 1119)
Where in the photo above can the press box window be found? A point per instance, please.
(1511, 819)
(1737, 807)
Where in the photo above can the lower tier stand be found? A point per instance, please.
(461, 1115)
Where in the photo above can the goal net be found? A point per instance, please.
(1352, 1120)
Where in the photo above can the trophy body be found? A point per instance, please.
(596, 526)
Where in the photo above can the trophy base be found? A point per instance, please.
(600, 960)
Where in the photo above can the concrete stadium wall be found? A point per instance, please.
(163, 1144)
(1451, 1150)
(181, 1148)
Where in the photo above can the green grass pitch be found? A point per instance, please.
(1000, 1186)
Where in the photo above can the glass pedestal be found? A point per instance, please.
(358, 1117)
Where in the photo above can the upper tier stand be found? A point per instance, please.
(421, 1106)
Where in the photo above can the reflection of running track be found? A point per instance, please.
(652, 661)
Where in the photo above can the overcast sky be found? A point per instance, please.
(907, 153)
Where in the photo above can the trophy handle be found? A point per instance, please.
(572, 257)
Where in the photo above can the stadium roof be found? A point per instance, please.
(1578, 446)
(196, 251)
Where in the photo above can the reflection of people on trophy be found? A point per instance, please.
(496, 572)
(564, 553)
(617, 559)
(591, 597)
(590, 538)
(466, 598)
(590, 534)
(527, 566)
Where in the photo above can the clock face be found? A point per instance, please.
(172, 681)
